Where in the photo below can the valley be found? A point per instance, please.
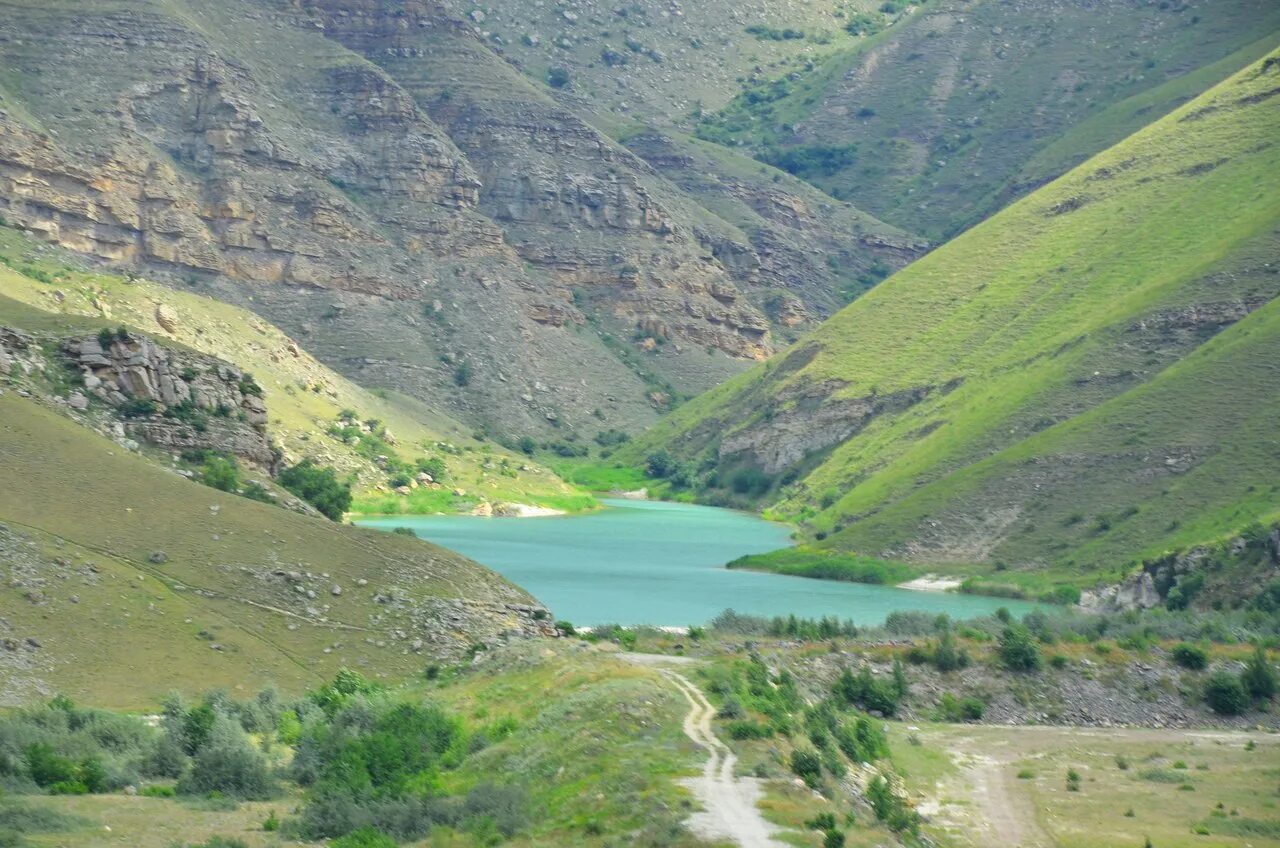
(841, 424)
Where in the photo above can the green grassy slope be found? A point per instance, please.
(304, 397)
(883, 430)
(963, 106)
(85, 518)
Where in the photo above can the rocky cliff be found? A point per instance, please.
(136, 390)
(375, 179)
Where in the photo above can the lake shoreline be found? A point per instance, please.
(662, 563)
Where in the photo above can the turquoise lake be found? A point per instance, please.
(649, 562)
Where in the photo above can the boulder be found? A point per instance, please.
(167, 318)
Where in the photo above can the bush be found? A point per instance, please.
(228, 764)
(1018, 649)
(221, 473)
(1258, 677)
(1225, 694)
(318, 486)
(433, 467)
(867, 692)
(1190, 656)
(806, 765)
(953, 709)
(365, 837)
(750, 482)
(946, 656)
(138, 408)
(558, 77)
(462, 374)
(659, 464)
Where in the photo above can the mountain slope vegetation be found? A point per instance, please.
(305, 398)
(1085, 379)
(113, 562)
(961, 106)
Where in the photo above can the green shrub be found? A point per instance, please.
(221, 473)
(946, 656)
(953, 709)
(822, 821)
(558, 77)
(806, 765)
(462, 374)
(228, 764)
(867, 692)
(1225, 694)
(318, 486)
(1189, 656)
(138, 408)
(365, 837)
(742, 729)
(1258, 677)
(1018, 649)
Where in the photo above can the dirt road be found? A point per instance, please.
(729, 809)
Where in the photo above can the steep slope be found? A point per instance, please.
(112, 562)
(374, 179)
(304, 397)
(1045, 391)
(964, 105)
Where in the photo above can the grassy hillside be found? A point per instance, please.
(304, 397)
(1046, 391)
(960, 107)
(115, 563)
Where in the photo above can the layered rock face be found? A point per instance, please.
(217, 406)
(378, 181)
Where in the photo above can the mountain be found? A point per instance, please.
(946, 111)
(376, 180)
(1086, 379)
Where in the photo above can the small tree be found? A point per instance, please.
(318, 486)
(1018, 649)
(807, 766)
(221, 473)
(1225, 694)
(462, 374)
(1189, 656)
(558, 77)
(1259, 678)
(228, 763)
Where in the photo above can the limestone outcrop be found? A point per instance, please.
(175, 399)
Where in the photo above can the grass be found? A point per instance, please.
(926, 105)
(1055, 381)
(1234, 800)
(596, 742)
(849, 568)
(77, 498)
(600, 477)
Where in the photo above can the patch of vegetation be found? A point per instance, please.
(318, 486)
(822, 565)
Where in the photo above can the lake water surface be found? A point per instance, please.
(650, 562)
